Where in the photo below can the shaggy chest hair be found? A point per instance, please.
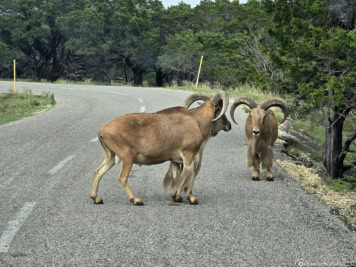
(258, 146)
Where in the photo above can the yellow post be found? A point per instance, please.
(201, 61)
(14, 76)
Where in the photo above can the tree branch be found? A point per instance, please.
(346, 147)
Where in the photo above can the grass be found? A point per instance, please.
(244, 90)
(90, 82)
(15, 106)
(310, 129)
(349, 128)
(316, 155)
(348, 184)
(313, 131)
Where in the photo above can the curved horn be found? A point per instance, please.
(195, 97)
(276, 103)
(225, 99)
(242, 100)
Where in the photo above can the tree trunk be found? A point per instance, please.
(138, 76)
(333, 143)
(159, 77)
(36, 73)
(58, 58)
(137, 72)
(124, 66)
(56, 70)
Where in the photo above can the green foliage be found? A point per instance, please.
(31, 27)
(83, 25)
(313, 55)
(316, 155)
(123, 40)
(182, 54)
(340, 185)
(230, 37)
(315, 43)
(176, 19)
(5, 53)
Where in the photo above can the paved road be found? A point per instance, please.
(47, 218)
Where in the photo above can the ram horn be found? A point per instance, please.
(221, 96)
(276, 103)
(195, 97)
(242, 100)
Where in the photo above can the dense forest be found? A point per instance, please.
(304, 49)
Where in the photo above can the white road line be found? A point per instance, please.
(15, 225)
(96, 139)
(118, 93)
(60, 165)
(142, 108)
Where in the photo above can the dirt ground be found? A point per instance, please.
(311, 175)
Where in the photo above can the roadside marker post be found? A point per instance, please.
(14, 76)
(201, 61)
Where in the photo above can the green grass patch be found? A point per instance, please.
(310, 129)
(244, 90)
(17, 106)
(296, 148)
(349, 129)
(256, 94)
(88, 82)
(348, 184)
(190, 86)
(316, 155)
(350, 159)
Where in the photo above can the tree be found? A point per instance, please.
(316, 52)
(230, 36)
(31, 26)
(6, 57)
(86, 26)
(136, 35)
(173, 20)
(181, 55)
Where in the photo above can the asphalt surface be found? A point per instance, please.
(48, 219)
